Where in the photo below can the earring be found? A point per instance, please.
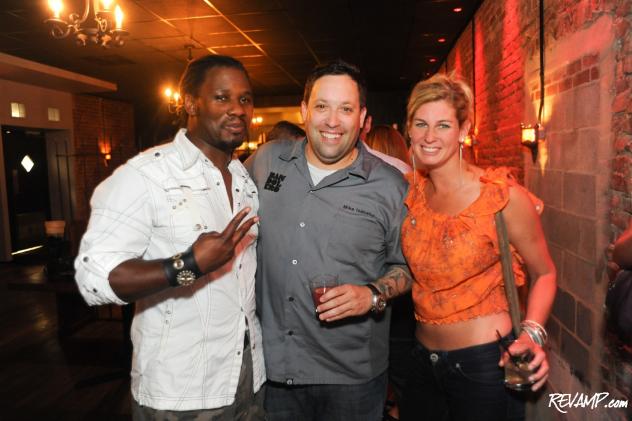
(460, 161)
(412, 160)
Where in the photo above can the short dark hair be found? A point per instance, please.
(195, 72)
(336, 67)
(285, 130)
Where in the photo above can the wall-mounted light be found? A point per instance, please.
(531, 138)
(173, 100)
(105, 149)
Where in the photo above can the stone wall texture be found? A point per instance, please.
(583, 172)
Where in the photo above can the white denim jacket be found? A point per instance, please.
(188, 341)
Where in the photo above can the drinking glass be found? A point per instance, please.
(320, 284)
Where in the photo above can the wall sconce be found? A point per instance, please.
(105, 149)
(531, 138)
(173, 100)
(257, 121)
(471, 142)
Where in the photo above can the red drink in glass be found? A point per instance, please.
(319, 285)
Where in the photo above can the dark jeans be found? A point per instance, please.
(464, 384)
(326, 402)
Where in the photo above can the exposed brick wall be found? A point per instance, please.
(584, 174)
(93, 119)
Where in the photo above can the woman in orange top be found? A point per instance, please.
(449, 239)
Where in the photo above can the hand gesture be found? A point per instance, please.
(213, 249)
(345, 301)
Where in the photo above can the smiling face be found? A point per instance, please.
(220, 113)
(332, 117)
(435, 134)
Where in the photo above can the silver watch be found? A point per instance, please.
(378, 302)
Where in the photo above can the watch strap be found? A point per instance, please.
(178, 263)
(376, 295)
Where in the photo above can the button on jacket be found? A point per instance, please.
(188, 341)
(348, 225)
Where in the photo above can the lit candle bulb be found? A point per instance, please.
(56, 6)
(118, 17)
(106, 4)
(168, 92)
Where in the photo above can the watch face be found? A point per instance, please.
(185, 277)
(380, 305)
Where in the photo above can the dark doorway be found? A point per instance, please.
(27, 189)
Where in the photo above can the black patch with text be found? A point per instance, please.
(273, 183)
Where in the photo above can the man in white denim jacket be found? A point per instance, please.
(166, 231)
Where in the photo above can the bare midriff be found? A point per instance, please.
(448, 337)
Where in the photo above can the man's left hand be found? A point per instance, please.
(345, 301)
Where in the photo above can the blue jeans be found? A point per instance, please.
(461, 385)
(326, 402)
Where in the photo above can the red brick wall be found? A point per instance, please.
(94, 118)
(585, 177)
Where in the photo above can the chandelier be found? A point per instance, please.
(107, 29)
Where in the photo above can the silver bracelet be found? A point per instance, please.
(536, 331)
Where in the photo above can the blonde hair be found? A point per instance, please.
(442, 87)
(387, 140)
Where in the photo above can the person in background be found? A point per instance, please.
(388, 141)
(622, 252)
(450, 242)
(285, 130)
(168, 231)
(328, 207)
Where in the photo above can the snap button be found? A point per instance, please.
(294, 262)
(85, 259)
(197, 227)
(434, 357)
(301, 224)
(289, 382)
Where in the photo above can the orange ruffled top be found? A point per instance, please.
(455, 260)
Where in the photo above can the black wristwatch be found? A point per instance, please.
(379, 302)
(181, 269)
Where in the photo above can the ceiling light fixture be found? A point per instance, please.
(106, 31)
(457, 9)
(441, 40)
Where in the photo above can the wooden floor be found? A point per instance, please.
(83, 376)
